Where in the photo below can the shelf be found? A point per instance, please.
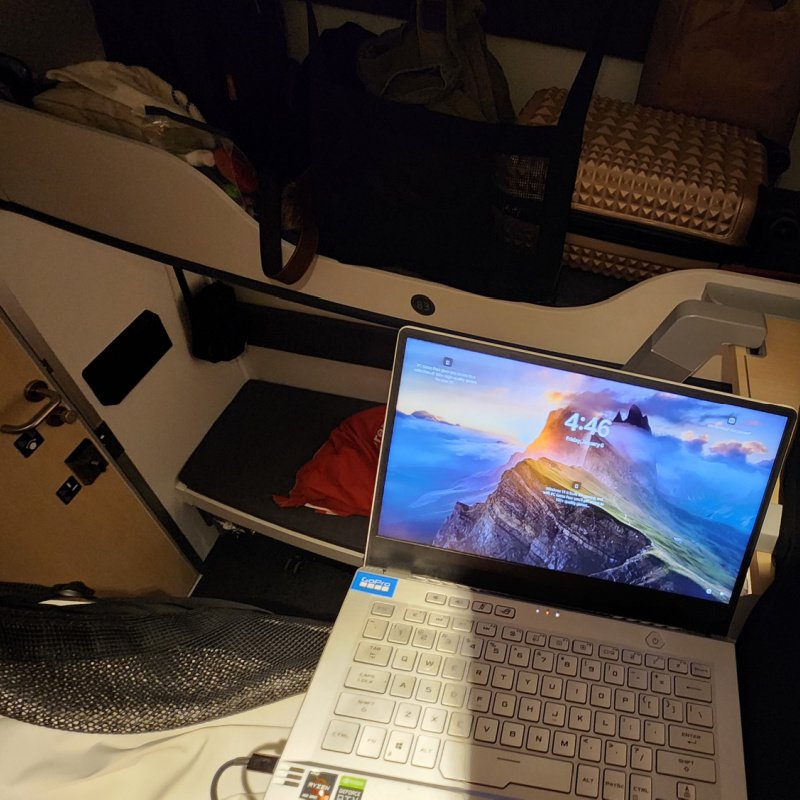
(254, 450)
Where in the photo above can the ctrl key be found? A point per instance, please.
(341, 736)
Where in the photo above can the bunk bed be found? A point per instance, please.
(136, 198)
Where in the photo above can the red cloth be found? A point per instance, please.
(340, 478)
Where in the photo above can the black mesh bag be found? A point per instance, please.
(133, 666)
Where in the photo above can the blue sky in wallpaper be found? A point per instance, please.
(671, 482)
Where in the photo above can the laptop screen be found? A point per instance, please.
(536, 462)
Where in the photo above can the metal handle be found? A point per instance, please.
(35, 392)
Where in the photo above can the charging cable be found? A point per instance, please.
(256, 763)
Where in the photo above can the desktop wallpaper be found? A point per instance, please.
(546, 467)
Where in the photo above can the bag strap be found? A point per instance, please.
(564, 161)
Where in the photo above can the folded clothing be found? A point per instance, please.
(340, 478)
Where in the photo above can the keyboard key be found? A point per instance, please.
(375, 628)
(415, 615)
(630, 728)
(567, 665)
(375, 654)
(700, 670)
(454, 694)
(433, 720)
(482, 607)
(399, 633)
(600, 696)
(428, 690)
(559, 643)
(519, 656)
(535, 639)
(340, 736)
(637, 678)
(655, 662)
(654, 732)
(436, 598)
(686, 791)
(538, 740)
(641, 758)
(462, 624)
(439, 620)
(605, 723)
(486, 730)
(641, 787)
(512, 734)
(591, 749)
(367, 680)
(370, 709)
(504, 705)
(424, 638)
(479, 700)
(527, 682)
(697, 714)
(478, 673)
(590, 669)
(503, 678)
(616, 754)
(555, 714)
(613, 785)
(371, 743)
(564, 744)
(678, 665)
(454, 668)
(530, 709)
(382, 609)
(688, 767)
(486, 629)
(608, 652)
(673, 710)
(425, 751)
(403, 686)
(458, 602)
(407, 715)
(614, 674)
(399, 747)
(582, 648)
(690, 739)
(648, 705)
(448, 642)
(543, 660)
(577, 692)
(552, 687)
(512, 634)
(632, 657)
(625, 701)
(496, 651)
(692, 689)
(661, 683)
(429, 664)
(460, 725)
(404, 660)
(505, 611)
(580, 719)
(587, 784)
(471, 647)
(486, 766)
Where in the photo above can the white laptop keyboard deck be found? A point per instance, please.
(464, 690)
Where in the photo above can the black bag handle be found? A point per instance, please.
(560, 143)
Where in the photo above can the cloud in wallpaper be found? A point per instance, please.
(539, 466)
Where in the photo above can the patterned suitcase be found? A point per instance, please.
(655, 190)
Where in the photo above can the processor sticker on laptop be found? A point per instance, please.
(318, 786)
(350, 788)
(374, 584)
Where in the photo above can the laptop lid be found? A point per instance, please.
(571, 484)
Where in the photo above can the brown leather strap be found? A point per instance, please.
(305, 250)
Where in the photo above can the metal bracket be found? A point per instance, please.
(692, 332)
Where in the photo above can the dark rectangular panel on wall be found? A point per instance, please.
(565, 23)
(115, 371)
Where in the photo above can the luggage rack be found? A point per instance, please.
(254, 450)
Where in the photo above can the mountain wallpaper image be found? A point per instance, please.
(575, 473)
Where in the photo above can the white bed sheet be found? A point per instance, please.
(179, 764)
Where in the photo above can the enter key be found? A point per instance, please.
(690, 739)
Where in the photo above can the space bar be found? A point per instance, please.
(498, 768)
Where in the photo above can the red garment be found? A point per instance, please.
(340, 478)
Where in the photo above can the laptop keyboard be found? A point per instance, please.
(459, 688)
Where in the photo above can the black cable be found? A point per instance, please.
(256, 762)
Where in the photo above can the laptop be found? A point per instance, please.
(554, 556)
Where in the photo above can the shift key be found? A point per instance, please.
(686, 766)
(371, 709)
